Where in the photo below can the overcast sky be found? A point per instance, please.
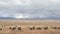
(30, 8)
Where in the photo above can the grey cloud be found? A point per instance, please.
(34, 8)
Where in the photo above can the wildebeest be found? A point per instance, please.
(38, 28)
(45, 28)
(12, 28)
(19, 28)
(32, 28)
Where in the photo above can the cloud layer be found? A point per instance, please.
(30, 8)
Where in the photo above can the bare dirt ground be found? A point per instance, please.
(24, 23)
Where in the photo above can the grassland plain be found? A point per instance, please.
(25, 23)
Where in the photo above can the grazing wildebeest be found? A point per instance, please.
(12, 28)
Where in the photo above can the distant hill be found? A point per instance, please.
(47, 18)
(7, 18)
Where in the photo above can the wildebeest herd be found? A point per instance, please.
(29, 28)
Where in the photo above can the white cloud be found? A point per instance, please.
(15, 2)
(22, 16)
(3, 3)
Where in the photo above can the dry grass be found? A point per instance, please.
(31, 22)
(24, 23)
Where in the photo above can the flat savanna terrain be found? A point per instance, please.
(31, 22)
(24, 23)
